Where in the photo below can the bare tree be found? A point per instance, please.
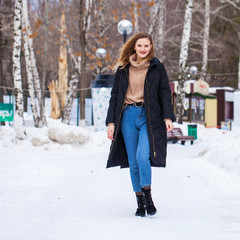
(46, 26)
(157, 24)
(99, 38)
(17, 44)
(39, 94)
(31, 89)
(220, 59)
(85, 9)
(183, 61)
(74, 79)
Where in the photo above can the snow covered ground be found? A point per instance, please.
(53, 191)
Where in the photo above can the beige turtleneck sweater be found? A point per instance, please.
(137, 75)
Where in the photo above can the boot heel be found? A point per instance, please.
(147, 197)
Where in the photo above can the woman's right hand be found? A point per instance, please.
(110, 131)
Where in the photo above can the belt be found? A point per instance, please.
(137, 104)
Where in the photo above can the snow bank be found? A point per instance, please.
(67, 134)
(39, 136)
(55, 133)
(221, 148)
(7, 136)
(218, 147)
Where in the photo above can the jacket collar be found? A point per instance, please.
(153, 62)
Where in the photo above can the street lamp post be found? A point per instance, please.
(125, 27)
(101, 53)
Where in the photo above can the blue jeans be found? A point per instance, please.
(134, 130)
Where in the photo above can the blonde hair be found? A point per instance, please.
(128, 49)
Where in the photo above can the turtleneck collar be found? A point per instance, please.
(144, 64)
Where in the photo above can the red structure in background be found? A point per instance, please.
(225, 98)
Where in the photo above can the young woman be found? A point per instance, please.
(140, 112)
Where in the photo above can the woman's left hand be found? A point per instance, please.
(169, 124)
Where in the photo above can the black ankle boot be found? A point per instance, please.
(151, 210)
(141, 208)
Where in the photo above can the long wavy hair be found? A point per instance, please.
(128, 49)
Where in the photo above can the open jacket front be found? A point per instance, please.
(157, 103)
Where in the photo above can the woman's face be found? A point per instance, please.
(142, 47)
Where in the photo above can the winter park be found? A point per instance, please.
(119, 119)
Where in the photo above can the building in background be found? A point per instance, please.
(199, 105)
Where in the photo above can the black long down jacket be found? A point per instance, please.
(157, 103)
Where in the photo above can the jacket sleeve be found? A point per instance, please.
(165, 94)
(111, 113)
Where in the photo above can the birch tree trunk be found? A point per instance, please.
(206, 39)
(17, 44)
(46, 25)
(43, 121)
(71, 95)
(30, 77)
(72, 84)
(183, 61)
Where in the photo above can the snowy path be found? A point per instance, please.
(67, 194)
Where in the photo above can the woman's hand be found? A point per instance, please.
(110, 131)
(169, 124)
